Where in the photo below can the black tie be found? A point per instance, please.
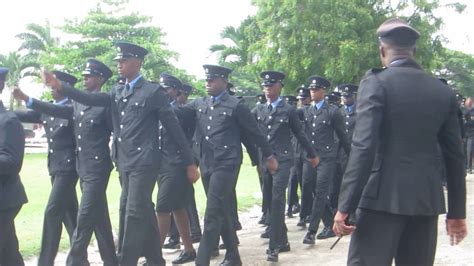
(127, 87)
(270, 107)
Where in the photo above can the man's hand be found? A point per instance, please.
(272, 165)
(19, 94)
(50, 80)
(314, 161)
(192, 173)
(456, 229)
(340, 227)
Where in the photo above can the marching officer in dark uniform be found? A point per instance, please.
(234, 203)
(62, 202)
(391, 173)
(348, 93)
(136, 106)
(92, 129)
(277, 120)
(263, 219)
(291, 100)
(12, 192)
(221, 120)
(334, 98)
(174, 189)
(185, 92)
(297, 169)
(193, 216)
(322, 122)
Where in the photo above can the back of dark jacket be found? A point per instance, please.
(402, 114)
(12, 142)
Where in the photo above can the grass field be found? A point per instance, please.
(36, 180)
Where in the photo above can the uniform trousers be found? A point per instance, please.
(296, 173)
(138, 229)
(319, 180)
(9, 253)
(93, 217)
(61, 209)
(469, 150)
(219, 182)
(381, 237)
(276, 187)
(335, 186)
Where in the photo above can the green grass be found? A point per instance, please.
(36, 180)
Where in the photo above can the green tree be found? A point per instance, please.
(458, 68)
(333, 38)
(95, 34)
(19, 67)
(238, 55)
(37, 40)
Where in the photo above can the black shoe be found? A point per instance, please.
(301, 222)
(262, 219)
(272, 255)
(326, 233)
(296, 208)
(284, 248)
(238, 226)
(289, 213)
(196, 238)
(172, 244)
(266, 233)
(185, 257)
(227, 262)
(309, 238)
(215, 253)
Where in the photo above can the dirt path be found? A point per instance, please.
(252, 247)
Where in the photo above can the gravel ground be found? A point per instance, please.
(252, 247)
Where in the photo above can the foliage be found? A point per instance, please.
(93, 37)
(238, 55)
(19, 66)
(334, 38)
(458, 68)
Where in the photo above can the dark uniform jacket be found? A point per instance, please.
(278, 125)
(469, 124)
(320, 126)
(60, 135)
(349, 125)
(93, 128)
(135, 116)
(12, 145)
(402, 115)
(169, 149)
(220, 126)
(349, 121)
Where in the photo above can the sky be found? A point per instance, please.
(191, 26)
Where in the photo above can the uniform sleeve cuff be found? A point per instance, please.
(29, 102)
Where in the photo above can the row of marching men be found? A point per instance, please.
(207, 132)
(312, 143)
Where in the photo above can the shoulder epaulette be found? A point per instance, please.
(377, 70)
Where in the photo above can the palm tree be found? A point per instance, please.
(238, 53)
(19, 67)
(37, 39)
